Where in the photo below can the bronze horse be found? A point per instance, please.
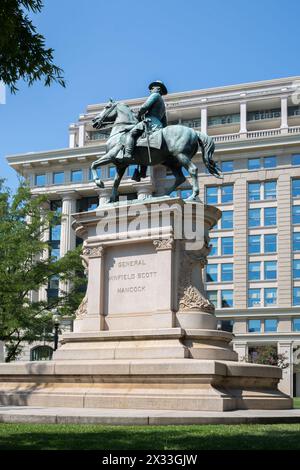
(179, 145)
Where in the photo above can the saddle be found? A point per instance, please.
(155, 140)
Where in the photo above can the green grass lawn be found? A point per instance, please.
(297, 402)
(96, 437)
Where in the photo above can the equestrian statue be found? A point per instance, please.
(147, 140)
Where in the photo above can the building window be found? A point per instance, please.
(270, 216)
(41, 353)
(270, 189)
(87, 204)
(227, 166)
(212, 296)
(227, 245)
(270, 270)
(254, 326)
(53, 287)
(99, 173)
(58, 177)
(227, 193)
(185, 193)
(190, 122)
(296, 324)
(76, 176)
(254, 217)
(254, 164)
(227, 325)
(296, 241)
(254, 191)
(254, 298)
(111, 171)
(55, 252)
(270, 296)
(296, 269)
(227, 298)
(270, 243)
(55, 233)
(212, 195)
(296, 214)
(221, 120)
(217, 194)
(40, 180)
(227, 220)
(254, 244)
(271, 325)
(226, 272)
(296, 188)
(254, 271)
(296, 159)
(270, 162)
(214, 247)
(212, 273)
(264, 114)
(296, 296)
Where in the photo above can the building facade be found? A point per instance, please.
(253, 273)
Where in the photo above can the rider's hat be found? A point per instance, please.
(161, 85)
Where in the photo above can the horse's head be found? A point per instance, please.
(108, 115)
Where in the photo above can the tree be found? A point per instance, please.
(26, 265)
(23, 53)
(268, 355)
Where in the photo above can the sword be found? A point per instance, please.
(146, 121)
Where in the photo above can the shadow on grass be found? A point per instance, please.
(89, 437)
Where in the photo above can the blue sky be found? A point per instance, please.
(113, 48)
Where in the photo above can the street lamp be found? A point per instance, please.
(56, 323)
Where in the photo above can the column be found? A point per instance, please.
(286, 383)
(42, 293)
(81, 135)
(241, 348)
(204, 120)
(72, 136)
(284, 261)
(240, 243)
(104, 195)
(284, 115)
(67, 236)
(165, 301)
(94, 319)
(144, 191)
(243, 118)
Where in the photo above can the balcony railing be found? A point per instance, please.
(237, 136)
(254, 134)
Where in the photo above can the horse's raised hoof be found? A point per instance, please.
(194, 198)
(99, 183)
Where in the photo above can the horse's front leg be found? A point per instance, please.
(119, 175)
(104, 160)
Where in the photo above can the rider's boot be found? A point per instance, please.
(129, 147)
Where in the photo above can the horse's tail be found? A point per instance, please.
(207, 145)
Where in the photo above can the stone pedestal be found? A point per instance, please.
(145, 334)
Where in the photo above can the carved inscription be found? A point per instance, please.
(131, 280)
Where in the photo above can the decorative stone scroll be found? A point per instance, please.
(164, 244)
(189, 296)
(82, 309)
(94, 252)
